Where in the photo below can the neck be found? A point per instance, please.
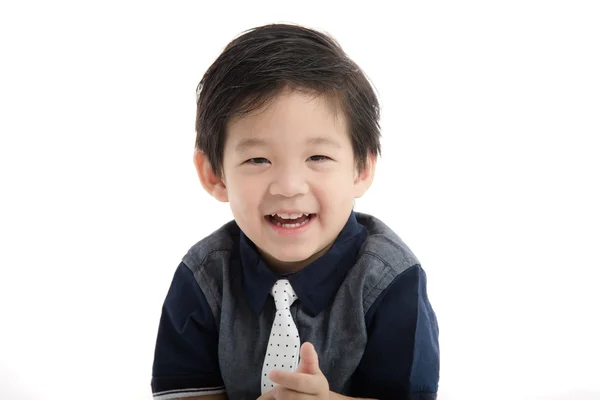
(288, 267)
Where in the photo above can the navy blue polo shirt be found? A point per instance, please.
(398, 359)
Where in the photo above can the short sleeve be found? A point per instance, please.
(186, 357)
(402, 359)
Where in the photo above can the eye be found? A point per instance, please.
(257, 160)
(319, 158)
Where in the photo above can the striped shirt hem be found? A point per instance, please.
(182, 393)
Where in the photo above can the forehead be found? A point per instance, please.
(290, 117)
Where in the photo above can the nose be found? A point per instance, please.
(289, 181)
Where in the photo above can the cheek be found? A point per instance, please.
(244, 194)
(335, 198)
(336, 185)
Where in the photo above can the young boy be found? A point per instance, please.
(299, 297)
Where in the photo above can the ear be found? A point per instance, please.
(212, 183)
(363, 180)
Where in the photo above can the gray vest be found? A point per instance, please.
(338, 333)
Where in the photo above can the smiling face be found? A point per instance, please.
(290, 177)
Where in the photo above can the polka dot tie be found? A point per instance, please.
(284, 343)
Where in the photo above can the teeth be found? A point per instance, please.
(289, 216)
(290, 225)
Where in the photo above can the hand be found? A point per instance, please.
(308, 382)
(267, 396)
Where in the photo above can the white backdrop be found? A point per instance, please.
(491, 120)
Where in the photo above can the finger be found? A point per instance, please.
(303, 383)
(283, 393)
(267, 396)
(309, 360)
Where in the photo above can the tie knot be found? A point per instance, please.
(283, 294)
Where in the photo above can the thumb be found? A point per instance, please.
(309, 360)
(266, 396)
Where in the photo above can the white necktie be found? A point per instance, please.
(284, 343)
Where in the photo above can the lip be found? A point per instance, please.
(283, 231)
(289, 212)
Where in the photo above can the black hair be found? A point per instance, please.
(262, 62)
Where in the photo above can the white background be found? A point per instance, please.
(491, 120)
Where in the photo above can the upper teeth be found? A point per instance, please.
(289, 216)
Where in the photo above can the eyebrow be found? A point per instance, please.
(249, 143)
(323, 141)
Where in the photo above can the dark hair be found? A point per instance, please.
(262, 62)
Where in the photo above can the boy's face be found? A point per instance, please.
(289, 175)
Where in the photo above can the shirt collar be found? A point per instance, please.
(316, 284)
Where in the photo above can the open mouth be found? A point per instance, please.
(289, 220)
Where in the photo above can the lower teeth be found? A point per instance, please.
(291, 225)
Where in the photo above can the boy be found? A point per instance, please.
(299, 297)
